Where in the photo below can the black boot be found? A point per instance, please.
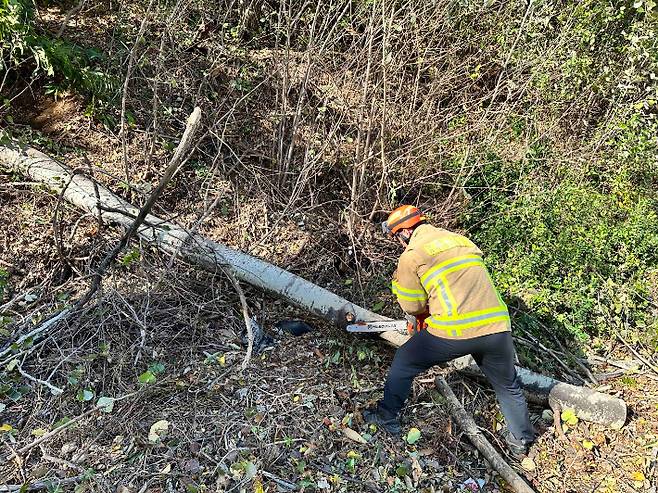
(374, 415)
(517, 448)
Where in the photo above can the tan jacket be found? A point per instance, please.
(444, 272)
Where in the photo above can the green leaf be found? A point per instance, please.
(106, 404)
(588, 444)
(377, 306)
(62, 422)
(146, 378)
(85, 395)
(156, 368)
(413, 436)
(569, 417)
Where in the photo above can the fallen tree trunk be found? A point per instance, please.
(81, 191)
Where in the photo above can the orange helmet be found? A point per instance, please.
(405, 216)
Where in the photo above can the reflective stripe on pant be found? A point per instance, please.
(494, 354)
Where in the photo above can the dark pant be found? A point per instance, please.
(493, 353)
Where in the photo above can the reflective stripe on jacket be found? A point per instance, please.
(444, 272)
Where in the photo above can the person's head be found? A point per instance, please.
(402, 222)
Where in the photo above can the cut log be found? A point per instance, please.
(81, 191)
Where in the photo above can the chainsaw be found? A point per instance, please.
(379, 326)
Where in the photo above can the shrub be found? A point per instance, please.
(21, 46)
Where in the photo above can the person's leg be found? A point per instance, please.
(496, 357)
(418, 354)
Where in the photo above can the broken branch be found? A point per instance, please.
(461, 416)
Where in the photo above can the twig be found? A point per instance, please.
(58, 430)
(67, 17)
(280, 482)
(328, 470)
(536, 344)
(553, 353)
(557, 410)
(124, 96)
(57, 460)
(53, 389)
(44, 327)
(245, 315)
(40, 485)
(637, 354)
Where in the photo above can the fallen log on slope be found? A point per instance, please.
(82, 191)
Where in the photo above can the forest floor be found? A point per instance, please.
(164, 343)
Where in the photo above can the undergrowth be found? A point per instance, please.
(531, 125)
(23, 48)
(571, 228)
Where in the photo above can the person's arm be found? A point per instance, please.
(407, 288)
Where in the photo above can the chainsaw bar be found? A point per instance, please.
(379, 326)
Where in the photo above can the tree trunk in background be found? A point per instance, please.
(80, 190)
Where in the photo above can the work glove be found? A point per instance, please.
(416, 323)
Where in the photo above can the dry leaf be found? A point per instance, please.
(191, 466)
(353, 435)
(158, 430)
(528, 464)
(416, 470)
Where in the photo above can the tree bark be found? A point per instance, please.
(588, 404)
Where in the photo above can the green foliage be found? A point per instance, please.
(76, 66)
(147, 377)
(4, 281)
(130, 257)
(63, 63)
(15, 34)
(570, 227)
(413, 436)
(150, 375)
(578, 252)
(574, 255)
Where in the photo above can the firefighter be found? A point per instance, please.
(443, 286)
